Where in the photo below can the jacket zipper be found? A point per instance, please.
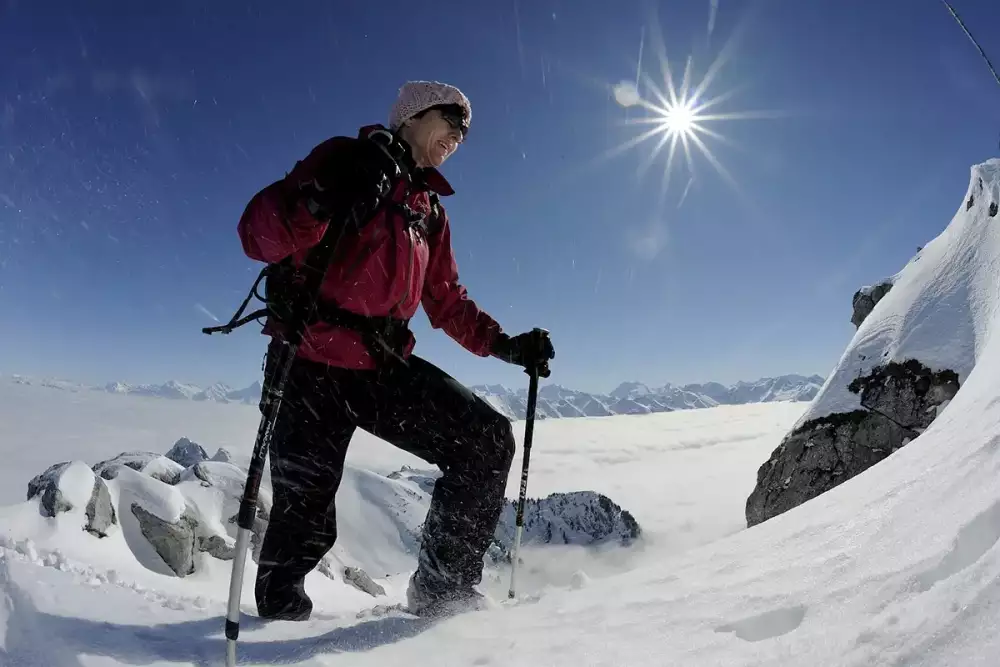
(409, 268)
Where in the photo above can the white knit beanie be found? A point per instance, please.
(417, 96)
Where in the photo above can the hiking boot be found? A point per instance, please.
(282, 601)
(431, 604)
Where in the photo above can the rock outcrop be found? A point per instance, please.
(899, 401)
(69, 486)
(866, 298)
(187, 453)
(174, 542)
(584, 518)
(907, 360)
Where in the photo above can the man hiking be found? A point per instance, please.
(377, 195)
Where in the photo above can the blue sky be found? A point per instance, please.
(132, 135)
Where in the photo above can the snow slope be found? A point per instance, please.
(897, 566)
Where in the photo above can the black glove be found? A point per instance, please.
(531, 350)
(357, 176)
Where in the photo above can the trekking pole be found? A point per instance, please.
(248, 505)
(533, 372)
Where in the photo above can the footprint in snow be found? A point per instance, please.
(767, 625)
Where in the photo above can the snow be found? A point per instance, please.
(899, 565)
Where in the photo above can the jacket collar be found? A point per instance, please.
(430, 177)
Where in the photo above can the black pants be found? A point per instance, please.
(416, 407)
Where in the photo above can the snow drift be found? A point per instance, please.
(920, 335)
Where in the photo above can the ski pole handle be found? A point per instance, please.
(540, 365)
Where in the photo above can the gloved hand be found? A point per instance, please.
(532, 349)
(349, 179)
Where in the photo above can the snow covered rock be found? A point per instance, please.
(899, 401)
(865, 299)
(73, 486)
(210, 493)
(907, 360)
(424, 479)
(222, 455)
(187, 453)
(358, 578)
(583, 518)
(155, 465)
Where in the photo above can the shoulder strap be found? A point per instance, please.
(366, 205)
(433, 222)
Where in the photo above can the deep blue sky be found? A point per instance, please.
(132, 135)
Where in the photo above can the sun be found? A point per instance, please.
(680, 118)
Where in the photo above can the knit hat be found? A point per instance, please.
(417, 96)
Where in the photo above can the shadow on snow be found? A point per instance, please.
(195, 641)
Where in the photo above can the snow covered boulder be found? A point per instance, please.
(908, 359)
(73, 486)
(865, 299)
(156, 466)
(583, 518)
(187, 453)
(197, 515)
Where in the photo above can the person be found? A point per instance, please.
(355, 366)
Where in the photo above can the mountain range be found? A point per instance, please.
(554, 401)
(634, 398)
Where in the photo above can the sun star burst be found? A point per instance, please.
(680, 118)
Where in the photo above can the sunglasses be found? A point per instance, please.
(456, 121)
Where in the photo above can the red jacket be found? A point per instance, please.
(386, 268)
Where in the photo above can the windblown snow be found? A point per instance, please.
(899, 565)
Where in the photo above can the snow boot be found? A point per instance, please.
(282, 601)
(425, 603)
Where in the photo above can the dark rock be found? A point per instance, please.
(865, 299)
(582, 518)
(47, 483)
(899, 400)
(174, 542)
(907, 393)
(187, 453)
(98, 508)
